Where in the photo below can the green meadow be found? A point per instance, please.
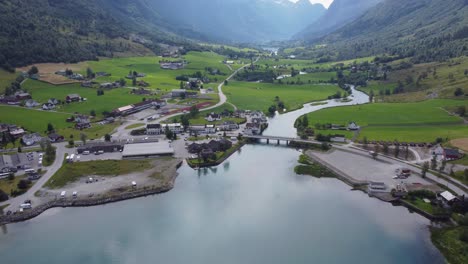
(157, 77)
(37, 120)
(260, 96)
(6, 78)
(421, 121)
(111, 99)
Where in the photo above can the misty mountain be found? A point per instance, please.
(338, 14)
(239, 20)
(426, 30)
(73, 30)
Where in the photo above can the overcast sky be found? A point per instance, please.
(325, 3)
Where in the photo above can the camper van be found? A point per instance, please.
(26, 206)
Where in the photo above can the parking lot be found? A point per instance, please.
(365, 168)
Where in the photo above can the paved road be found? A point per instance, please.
(51, 170)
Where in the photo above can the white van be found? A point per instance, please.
(62, 194)
(26, 206)
(75, 194)
(86, 152)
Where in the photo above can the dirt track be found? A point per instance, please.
(461, 143)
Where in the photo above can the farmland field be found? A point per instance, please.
(37, 120)
(6, 78)
(423, 121)
(111, 99)
(157, 77)
(260, 96)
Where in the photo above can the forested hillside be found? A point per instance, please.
(70, 30)
(426, 30)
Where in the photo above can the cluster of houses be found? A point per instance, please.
(26, 139)
(36, 138)
(81, 121)
(15, 99)
(159, 129)
(12, 130)
(135, 108)
(208, 150)
(51, 104)
(257, 122)
(70, 75)
(446, 153)
(180, 93)
(172, 65)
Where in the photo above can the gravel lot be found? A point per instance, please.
(363, 168)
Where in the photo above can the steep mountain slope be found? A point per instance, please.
(241, 20)
(424, 29)
(338, 14)
(72, 30)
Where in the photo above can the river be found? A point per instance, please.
(251, 209)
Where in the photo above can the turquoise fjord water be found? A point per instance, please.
(251, 209)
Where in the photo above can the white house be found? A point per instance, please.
(154, 129)
(228, 126)
(252, 129)
(31, 139)
(213, 117)
(353, 126)
(31, 103)
(175, 127)
(210, 129)
(48, 106)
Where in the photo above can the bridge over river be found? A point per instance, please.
(278, 139)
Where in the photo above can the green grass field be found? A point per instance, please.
(157, 77)
(260, 96)
(6, 78)
(312, 77)
(71, 172)
(111, 99)
(447, 240)
(37, 120)
(422, 121)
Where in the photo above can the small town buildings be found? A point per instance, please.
(210, 129)
(48, 106)
(175, 93)
(17, 132)
(252, 129)
(213, 117)
(228, 126)
(54, 137)
(107, 147)
(239, 114)
(338, 139)
(30, 103)
(174, 128)
(131, 109)
(172, 65)
(353, 126)
(82, 122)
(72, 98)
(213, 146)
(447, 197)
(437, 151)
(452, 154)
(53, 101)
(145, 150)
(31, 139)
(22, 96)
(154, 129)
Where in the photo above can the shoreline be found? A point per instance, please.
(101, 199)
(360, 185)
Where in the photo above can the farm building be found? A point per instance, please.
(451, 154)
(72, 98)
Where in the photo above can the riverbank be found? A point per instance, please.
(364, 172)
(115, 190)
(218, 161)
